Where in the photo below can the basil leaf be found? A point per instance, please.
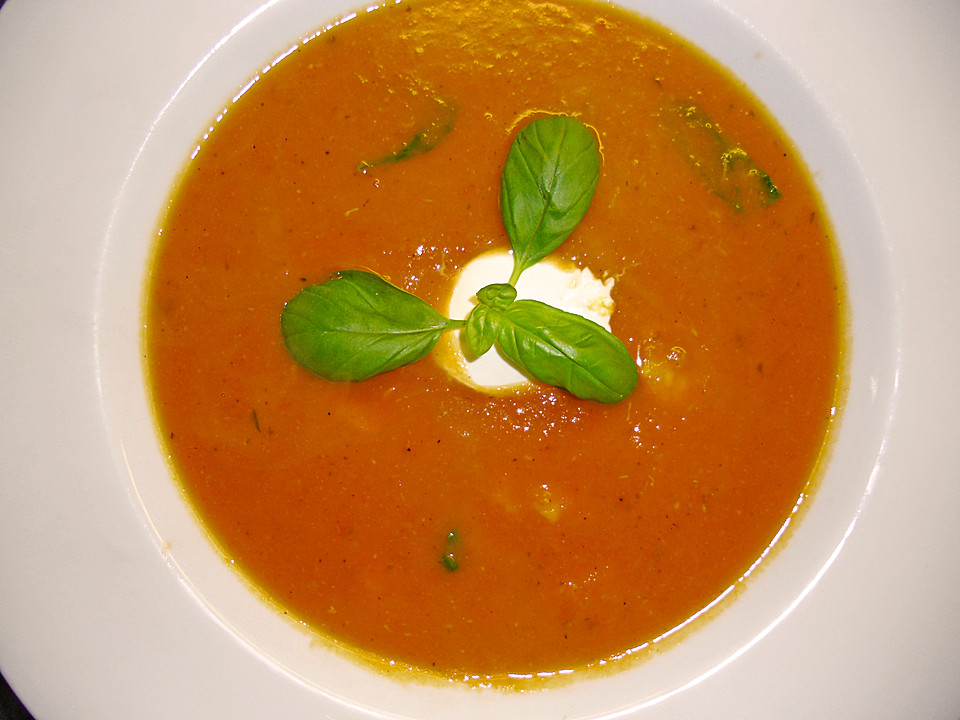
(547, 185)
(497, 295)
(481, 328)
(567, 350)
(358, 325)
(483, 322)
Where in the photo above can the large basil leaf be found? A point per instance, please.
(567, 350)
(547, 185)
(358, 325)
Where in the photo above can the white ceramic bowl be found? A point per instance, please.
(113, 604)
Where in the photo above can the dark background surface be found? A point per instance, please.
(10, 707)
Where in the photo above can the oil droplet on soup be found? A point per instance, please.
(410, 516)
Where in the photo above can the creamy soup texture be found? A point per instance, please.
(416, 519)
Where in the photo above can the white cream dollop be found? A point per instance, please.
(564, 286)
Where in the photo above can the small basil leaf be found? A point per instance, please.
(567, 350)
(498, 295)
(358, 325)
(481, 328)
(547, 185)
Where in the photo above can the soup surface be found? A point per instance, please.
(414, 518)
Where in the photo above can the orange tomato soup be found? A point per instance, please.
(579, 531)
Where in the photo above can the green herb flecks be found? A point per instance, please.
(358, 325)
(451, 552)
(726, 168)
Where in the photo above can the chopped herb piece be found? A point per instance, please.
(450, 551)
(423, 141)
(726, 168)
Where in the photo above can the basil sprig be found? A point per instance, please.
(357, 325)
